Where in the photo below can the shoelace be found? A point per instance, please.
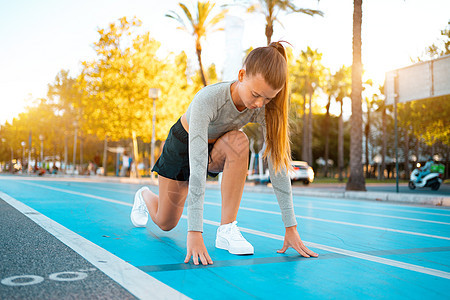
(235, 232)
(142, 206)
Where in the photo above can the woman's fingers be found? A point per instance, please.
(208, 258)
(299, 249)
(285, 247)
(205, 259)
(188, 257)
(311, 253)
(195, 258)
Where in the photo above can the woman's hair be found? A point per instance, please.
(271, 63)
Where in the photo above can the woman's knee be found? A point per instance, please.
(238, 143)
(168, 226)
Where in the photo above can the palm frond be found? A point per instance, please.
(306, 11)
(173, 15)
(254, 8)
(187, 12)
(217, 18)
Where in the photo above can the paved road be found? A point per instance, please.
(36, 265)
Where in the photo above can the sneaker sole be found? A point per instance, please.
(225, 246)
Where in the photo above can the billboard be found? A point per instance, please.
(423, 80)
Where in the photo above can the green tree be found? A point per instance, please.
(331, 88)
(440, 48)
(65, 96)
(312, 61)
(382, 109)
(116, 86)
(356, 181)
(271, 8)
(343, 77)
(201, 23)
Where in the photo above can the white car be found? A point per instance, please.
(301, 172)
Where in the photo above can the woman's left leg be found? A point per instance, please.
(230, 156)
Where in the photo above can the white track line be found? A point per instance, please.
(350, 212)
(349, 253)
(255, 210)
(297, 205)
(342, 223)
(137, 282)
(380, 206)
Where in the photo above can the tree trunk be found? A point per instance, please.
(202, 73)
(310, 129)
(134, 167)
(406, 154)
(341, 145)
(417, 152)
(81, 152)
(406, 145)
(269, 32)
(105, 155)
(327, 131)
(356, 181)
(65, 155)
(75, 150)
(367, 133)
(305, 132)
(383, 144)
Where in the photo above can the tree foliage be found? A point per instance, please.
(271, 8)
(201, 22)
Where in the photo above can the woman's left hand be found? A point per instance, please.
(292, 239)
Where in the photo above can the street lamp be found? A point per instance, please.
(41, 138)
(154, 94)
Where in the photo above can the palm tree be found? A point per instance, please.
(315, 71)
(330, 88)
(307, 75)
(369, 106)
(356, 181)
(201, 23)
(343, 77)
(271, 8)
(382, 108)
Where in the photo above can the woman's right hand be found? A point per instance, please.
(196, 249)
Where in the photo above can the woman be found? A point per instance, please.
(207, 140)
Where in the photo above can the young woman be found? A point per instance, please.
(206, 140)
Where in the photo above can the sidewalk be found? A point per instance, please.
(319, 190)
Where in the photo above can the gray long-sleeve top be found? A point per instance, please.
(211, 114)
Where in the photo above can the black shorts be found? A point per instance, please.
(174, 160)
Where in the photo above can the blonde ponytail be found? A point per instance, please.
(271, 63)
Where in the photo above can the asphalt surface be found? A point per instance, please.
(36, 265)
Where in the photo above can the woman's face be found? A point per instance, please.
(254, 91)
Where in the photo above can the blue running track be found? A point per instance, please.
(366, 249)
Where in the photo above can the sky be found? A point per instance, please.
(40, 38)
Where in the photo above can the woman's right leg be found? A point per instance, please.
(166, 209)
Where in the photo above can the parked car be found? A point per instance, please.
(301, 172)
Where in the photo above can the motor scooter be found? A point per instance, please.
(432, 180)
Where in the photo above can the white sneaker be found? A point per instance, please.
(230, 238)
(139, 213)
